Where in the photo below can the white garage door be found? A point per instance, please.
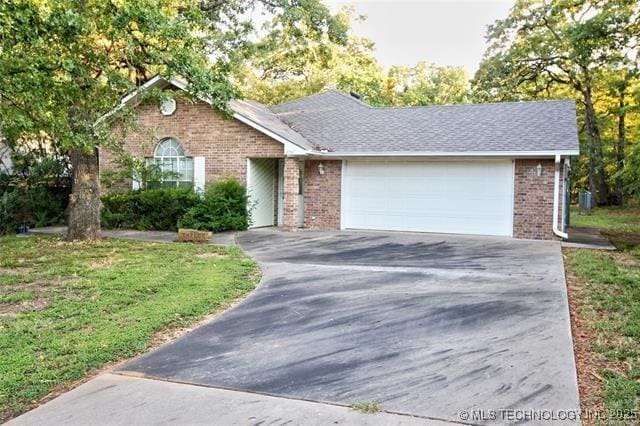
(461, 197)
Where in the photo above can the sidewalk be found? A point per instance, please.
(113, 399)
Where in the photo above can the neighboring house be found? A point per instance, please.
(330, 161)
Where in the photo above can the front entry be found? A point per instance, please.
(261, 188)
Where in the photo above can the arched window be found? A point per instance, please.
(171, 159)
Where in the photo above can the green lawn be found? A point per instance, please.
(67, 309)
(606, 286)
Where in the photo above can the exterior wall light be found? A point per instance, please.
(321, 169)
(539, 169)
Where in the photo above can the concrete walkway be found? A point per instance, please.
(221, 238)
(118, 400)
(587, 238)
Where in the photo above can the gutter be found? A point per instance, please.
(556, 196)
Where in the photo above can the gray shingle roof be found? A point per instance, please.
(263, 116)
(341, 123)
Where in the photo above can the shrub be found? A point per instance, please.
(31, 206)
(152, 209)
(224, 208)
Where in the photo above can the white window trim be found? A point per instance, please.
(180, 159)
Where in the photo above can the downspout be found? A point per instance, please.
(556, 196)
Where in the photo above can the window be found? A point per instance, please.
(170, 157)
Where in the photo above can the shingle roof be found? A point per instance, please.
(263, 116)
(341, 123)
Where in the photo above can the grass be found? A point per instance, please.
(67, 309)
(366, 407)
(605, 287)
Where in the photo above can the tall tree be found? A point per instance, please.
(544, 44)
(284, 66)
(65, 63)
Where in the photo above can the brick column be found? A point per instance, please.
(291, 176)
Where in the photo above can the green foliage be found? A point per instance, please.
(99, 303)
(366, 407)
(153, 209)
(31, 207)
(285, 66)
(605, 284)
(583, 50)
(223, 208)
(34, 192)
(147, 174)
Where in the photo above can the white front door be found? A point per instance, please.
(459, 197)
(261, 173)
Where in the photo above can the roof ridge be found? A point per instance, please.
(322, 92)
(472, 104)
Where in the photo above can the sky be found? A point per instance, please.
(440, 31)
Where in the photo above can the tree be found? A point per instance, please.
(285, 66)
(289, 62)
(426, 84)
(65, 63)
(543, 45)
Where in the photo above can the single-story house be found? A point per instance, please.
(329, 161)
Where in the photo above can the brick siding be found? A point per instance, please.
(533, 203)
(225, 143)
(291, 181)
(322, 195)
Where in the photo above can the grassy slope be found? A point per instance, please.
(69, 308)
(608, 292)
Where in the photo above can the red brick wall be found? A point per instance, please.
(533, 203)
(322, 195)
(225, 143)
(291, 181)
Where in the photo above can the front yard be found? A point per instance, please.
(68, 309)
(604, 293)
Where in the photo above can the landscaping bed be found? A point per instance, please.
(68, 309)
(604, 297)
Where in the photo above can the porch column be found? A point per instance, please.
(291, 176)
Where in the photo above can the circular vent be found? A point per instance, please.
(168, 107)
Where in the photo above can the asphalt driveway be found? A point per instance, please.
(422, 324)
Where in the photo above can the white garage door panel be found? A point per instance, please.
(464, 197)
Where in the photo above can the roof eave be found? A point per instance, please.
(425, 154)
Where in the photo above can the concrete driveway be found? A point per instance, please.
(427, 325)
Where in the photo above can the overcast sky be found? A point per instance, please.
(440, 31)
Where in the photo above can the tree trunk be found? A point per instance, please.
(84, 201)
(620, 146)
(597, 177)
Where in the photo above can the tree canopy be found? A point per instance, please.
(289, 63)
(582, 49)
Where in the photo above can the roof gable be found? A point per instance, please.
(251, 113)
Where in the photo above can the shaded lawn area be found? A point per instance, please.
(604, 290)
(67, 309)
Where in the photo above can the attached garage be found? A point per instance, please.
(462, 197)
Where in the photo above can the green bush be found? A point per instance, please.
(224, 208)
(32, 207)
(152, 209)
